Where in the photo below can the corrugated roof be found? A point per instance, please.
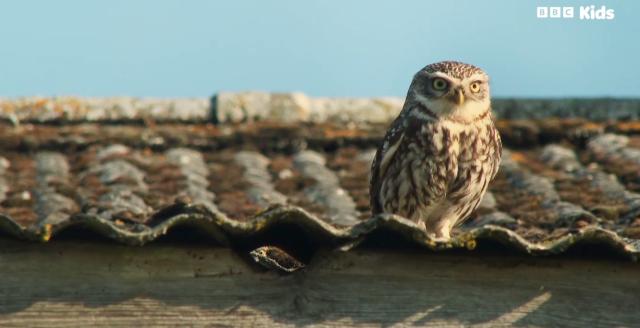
(562, 181)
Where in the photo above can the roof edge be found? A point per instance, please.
(226, 231)
(238, 107)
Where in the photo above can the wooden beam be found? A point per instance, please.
(73, 283)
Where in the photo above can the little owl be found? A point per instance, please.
(440, 153)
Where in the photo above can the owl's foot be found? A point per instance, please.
(438, 233)
(443, 233)
(438, 239)
(422, 225)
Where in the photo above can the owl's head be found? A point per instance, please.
(451, 89)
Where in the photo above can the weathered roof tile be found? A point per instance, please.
(558, 185)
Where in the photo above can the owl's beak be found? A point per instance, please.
(459, 97)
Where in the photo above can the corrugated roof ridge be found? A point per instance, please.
(224, 230)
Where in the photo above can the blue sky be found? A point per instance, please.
(172, 48)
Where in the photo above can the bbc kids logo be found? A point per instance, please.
(582, 12)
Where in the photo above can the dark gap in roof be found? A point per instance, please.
(332, 146)
(213, 109)
(388, 239)
(7, 235)
(487, 246)
(579, 142)
(290, 237)
(593, 250)
(384, 238)
(187, 234)
(168, 212)
(81, 232)
(281, 146)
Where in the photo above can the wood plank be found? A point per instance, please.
(80, 284)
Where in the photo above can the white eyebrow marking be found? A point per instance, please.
(445, 76)
(476, 77)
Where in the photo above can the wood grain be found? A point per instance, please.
(80, 284)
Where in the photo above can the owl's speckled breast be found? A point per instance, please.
(444, 172)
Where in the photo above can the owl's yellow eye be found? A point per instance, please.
(439, 84)
(475, 87)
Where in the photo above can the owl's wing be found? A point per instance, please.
(458, 189)
(384, 156)
(498, 142)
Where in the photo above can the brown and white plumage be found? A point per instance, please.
(440, 153)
